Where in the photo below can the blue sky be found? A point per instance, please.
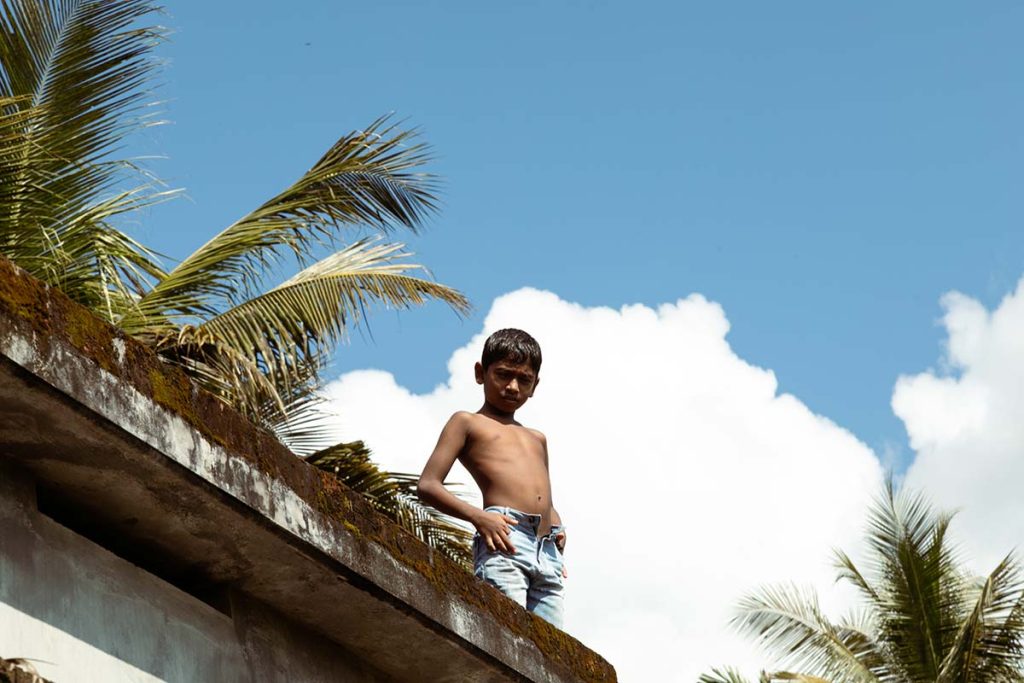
(824, 171)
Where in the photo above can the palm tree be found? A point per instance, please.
(924, 618)
(75, 79)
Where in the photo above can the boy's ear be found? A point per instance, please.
(478, 369)
(536, 381)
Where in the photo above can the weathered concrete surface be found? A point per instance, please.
(180, 483)
(89, 615)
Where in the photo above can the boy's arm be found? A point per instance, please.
(491, 525)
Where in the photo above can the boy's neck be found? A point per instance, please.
(498, 415)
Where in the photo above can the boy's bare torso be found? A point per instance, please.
(508, 461)
(509, 464)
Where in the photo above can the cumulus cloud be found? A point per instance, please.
(964, 422)
(684, 477)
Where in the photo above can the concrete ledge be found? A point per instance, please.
(127, 441)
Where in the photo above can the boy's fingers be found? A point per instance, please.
(511, 520)
(565, 572)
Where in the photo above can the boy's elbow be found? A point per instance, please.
(424, 489)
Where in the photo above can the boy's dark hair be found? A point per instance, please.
(512, 345)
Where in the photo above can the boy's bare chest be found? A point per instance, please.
(503, 443)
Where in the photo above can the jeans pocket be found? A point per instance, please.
(553, 535)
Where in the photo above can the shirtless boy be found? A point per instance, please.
(519, 541)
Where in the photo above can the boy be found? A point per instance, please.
(519, 541)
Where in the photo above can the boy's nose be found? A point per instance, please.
(513, 385)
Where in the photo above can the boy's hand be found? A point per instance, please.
(494, 528)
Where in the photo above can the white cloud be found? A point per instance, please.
(685, 479)
(966, 426)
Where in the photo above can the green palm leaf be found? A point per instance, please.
(306, 315)
(287, 331)
(730, 675)
(299, 421)
(726, 675)
(984, 648)
(920, 606)
(77, 72)
(848, 572)
(368, 177)
(789, 622)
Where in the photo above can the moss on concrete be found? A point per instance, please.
(48, 315)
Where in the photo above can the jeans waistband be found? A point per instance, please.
(527, 520)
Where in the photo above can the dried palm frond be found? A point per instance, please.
(393, 495)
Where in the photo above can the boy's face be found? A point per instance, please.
(507, 385)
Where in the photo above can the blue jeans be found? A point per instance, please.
(533, 575)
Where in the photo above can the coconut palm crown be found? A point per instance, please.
(76, 80)
(924, 617)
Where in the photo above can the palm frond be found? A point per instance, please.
(304, 317)
(790, 623)
(731, 675)
(726, 675)
(99, 266)
(988, 644)
(77, 71)
(368, 177)
(289, 330)
(221, 369)
(301, 423)
(920, 608)
(436, 529)
(849, 572)
(392, 495)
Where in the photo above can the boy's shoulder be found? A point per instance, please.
(536, 432)
(462, 416)
(463, 420)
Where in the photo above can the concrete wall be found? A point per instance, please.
(88, 615)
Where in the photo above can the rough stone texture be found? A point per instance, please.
(187, 487)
